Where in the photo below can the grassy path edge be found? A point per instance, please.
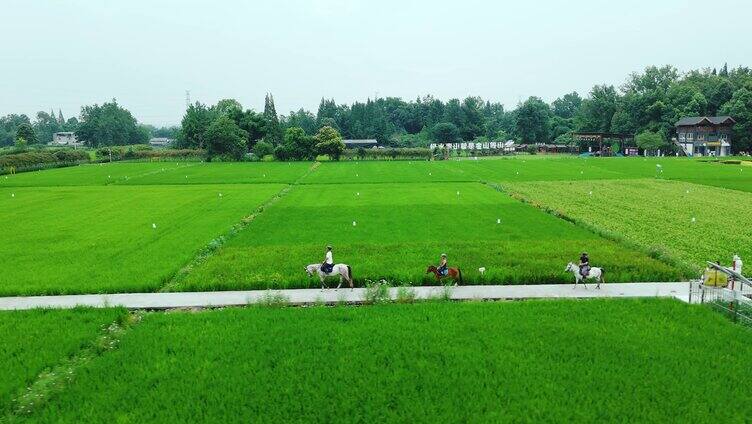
(173, 284)
(659, 255)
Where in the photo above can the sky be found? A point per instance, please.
(63, 54)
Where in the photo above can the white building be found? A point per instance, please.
(65, 139)
(160, 142)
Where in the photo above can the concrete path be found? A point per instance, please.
(309, 296)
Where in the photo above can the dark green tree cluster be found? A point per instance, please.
(225, 129)
(109, 125)
(651, 101)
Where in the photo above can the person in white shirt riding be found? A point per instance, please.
(328, 263)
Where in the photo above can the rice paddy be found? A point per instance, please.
(555, 361)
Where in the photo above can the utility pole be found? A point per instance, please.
(187, 99)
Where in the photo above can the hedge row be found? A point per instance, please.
(41, 158)
(391, 153)
(145, 152)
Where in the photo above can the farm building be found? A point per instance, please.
(65, 139)
(354, 144)
(160, 142)
(705, 136)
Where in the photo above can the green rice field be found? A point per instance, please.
(393, 231)
(548, 361)
(90, 228)
(93, 239)
(693, 222)
(34, 341)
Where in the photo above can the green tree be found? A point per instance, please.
(109, 125)
(445, 132)
(193, 127)
(598, 110)
(740, 108)
(533, 121)
(567, 106)
(262, 148)
(8, 126)
(329, 142)
(46, 125)
(225, 138)
(299, 145)
(273, 129)
(649, 140)
(26, 133)
(302, 119)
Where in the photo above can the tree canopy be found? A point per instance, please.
(109, 125)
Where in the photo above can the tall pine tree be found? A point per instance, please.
(273, 129)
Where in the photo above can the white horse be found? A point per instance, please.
(594, 274)
(343, 270)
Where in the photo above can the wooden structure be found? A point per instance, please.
(598, 138)
(705, 136)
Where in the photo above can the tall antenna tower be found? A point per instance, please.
(187, 99)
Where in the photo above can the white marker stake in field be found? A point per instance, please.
(498, 220)
(357, 194)
(154, 226)
(354, 223)
(482, 270)
(13, 195)
(458, 193)
(693, 219)
(220, 194)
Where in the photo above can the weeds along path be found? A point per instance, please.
(55, 380)
(174, 283)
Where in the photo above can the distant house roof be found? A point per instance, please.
(692, 121)
(369, 142)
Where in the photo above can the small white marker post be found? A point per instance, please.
(220, 195)
(458, 193)
(694, 220)
(498, 220)
(13, 195)
(154, 226)
(357, 194)
(590, 193)
(354, 223)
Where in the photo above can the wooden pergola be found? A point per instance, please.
(598, 137)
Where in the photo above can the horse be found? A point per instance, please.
(594, 274)
(343, 270)
(453, 273)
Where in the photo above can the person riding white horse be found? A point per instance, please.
(329, 269)
(594, 273)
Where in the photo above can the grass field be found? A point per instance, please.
(170, 173)
(59, 240)
(565, 361)
(32, 341)
(692, 222)
(401, 228)
(88, 228)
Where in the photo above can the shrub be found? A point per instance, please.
(40, 158)
(263, 148)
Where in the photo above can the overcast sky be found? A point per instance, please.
(146, 54)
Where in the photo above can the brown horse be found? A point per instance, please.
(453, 273)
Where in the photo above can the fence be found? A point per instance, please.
(735, 304)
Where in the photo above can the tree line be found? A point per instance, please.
(648, 104)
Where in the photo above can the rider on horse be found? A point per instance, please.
(442, 268)
(584, 265)
(328, 263)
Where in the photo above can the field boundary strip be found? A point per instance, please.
(55, 379)
(661, 256)
(173, 283)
